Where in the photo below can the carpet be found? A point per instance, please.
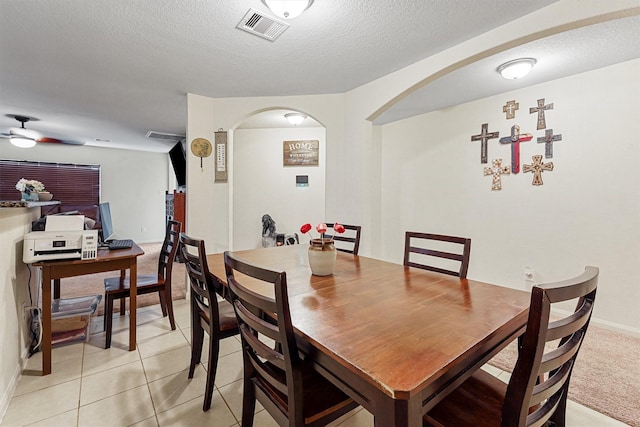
(93, 284)
(606, 376)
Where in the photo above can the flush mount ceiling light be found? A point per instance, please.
(295, 118)
(288, 9)
(517, 68)
(22, 142)
(22, 137)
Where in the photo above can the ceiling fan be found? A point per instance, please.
(27, 138)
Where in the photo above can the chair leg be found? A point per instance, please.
(169, 308)
(122, 305)
(108, 319)
(248, 399)
(197, 338)
(163, 302)
(214, 350)
(559, 416)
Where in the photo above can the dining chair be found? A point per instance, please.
(117, 288)
(275, 372)
(437, 252)
(351, 238)
(537, 390)
(210, 312)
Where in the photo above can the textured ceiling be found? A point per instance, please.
(116, 69)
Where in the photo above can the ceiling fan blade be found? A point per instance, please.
(58, 141)
(27, 133)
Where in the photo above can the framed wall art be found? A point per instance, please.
(300, 153)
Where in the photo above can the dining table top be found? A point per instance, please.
(401, 329)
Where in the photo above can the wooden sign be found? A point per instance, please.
(300, 153)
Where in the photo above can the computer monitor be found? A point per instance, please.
(105, 220)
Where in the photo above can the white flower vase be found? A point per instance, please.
(322, 257)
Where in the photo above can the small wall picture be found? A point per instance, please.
(300, 153)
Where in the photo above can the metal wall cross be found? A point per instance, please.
(496, 171)
(484, 137)
(549, 138)
(515, 139)
(510, 109)
(537, 168)
(542, 123)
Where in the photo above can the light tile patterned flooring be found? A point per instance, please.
(91, 386)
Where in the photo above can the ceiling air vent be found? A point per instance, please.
(164, 136)
(256, 23)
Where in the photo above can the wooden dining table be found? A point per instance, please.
(396, 339)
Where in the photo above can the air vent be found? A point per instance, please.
(256, 23)
(164, 136)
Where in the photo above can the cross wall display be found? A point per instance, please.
(515, 137)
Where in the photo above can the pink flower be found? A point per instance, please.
(321, 228)
(338, 228)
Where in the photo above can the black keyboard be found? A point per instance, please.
(120, 244)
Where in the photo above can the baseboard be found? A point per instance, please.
(5, 399)
(605, 324)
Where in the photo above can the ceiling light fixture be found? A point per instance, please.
(517, 68)
(22, 142)
(22, 137)
(295, 118)
(288, 9)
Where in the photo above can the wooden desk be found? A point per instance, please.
(395, 338)
(53, 271)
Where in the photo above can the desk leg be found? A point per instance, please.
(133, 304)
(46, 321)
(56, 288)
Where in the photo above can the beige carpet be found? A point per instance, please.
(606, 376)
(93, 284)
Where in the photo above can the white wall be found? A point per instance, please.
(355, 176)
(133, 182)
(14, 336)
(586, 213)
(210, 204)
(262, 185)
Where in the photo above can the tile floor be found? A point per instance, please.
(91, 386)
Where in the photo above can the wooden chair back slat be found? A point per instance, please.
(415, 242)
(352, 240)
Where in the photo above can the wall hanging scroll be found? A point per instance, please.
(221, 155)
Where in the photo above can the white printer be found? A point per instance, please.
(64, 238)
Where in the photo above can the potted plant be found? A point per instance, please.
(29, 188)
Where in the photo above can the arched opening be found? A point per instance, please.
(264, 181)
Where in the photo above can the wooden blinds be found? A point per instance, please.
(72, 184)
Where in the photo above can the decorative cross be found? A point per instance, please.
(537, 168)
(515, 139)
(484, 137)
(510, 108)
(549, 138)
(542, 123)
(496, 170)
